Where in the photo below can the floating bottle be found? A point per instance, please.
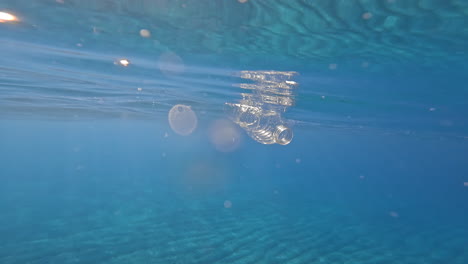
(270, 129)
(259, 112)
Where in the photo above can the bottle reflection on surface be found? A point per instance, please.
(259, 112)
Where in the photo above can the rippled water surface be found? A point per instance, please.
(234, 131)
(367, 60)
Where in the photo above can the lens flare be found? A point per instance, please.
(170, 64)
(224, 135)
(182, 119)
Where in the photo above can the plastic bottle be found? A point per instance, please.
(270, 129)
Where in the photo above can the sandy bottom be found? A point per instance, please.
(218, 229)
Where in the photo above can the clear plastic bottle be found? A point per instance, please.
(264, 126)
(243, 115)
(270, 129)
(259, 112)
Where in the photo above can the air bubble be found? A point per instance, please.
(394, 214)
(227, 204)
(145, 33)
(367, 15)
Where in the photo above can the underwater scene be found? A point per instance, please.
(233, 131)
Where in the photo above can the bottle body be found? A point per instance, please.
(264, 126)
(259, 112)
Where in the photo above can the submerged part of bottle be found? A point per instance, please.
(259, 112)
(243, 115)
(270, 129)
(283, 135)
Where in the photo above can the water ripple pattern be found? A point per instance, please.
(385, 31)
(425, 32)
(58, 58)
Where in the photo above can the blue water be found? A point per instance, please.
(150, 131)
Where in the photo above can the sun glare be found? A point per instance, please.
(7, 17)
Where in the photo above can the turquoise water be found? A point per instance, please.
(234, 131)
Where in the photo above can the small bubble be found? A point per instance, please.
(465, 184)
(242, 1)
(298, 160)
(446, 123)
(394, 214)
(166, 135)
(367, 15)
(365, 64)
(96, 30)
(79, 45)
(323, 96)
(60, 1)
(145, 33)
(227, 204)
(432, 109)
(140, 89)
(163, 154)
(333, 66)
(276, 192)
(361, 177)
